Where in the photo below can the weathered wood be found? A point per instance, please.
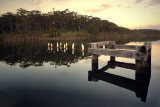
(118, 53)
(142, 56)
(101, 44)
(94, 62)
(108, 44)
(104, 68)
(112, 58)
(125, 65)
(148, 46)
(140, 65)
(128, 47)
(126, 51)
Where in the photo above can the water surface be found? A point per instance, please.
(33, 75)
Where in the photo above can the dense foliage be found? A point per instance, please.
(25, 22)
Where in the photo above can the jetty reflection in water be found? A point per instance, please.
(142, 66)
(139, 85)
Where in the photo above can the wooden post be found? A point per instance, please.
(94, 62)
(112, 62)
(57, 45)
(57, 49)
(149, 60)
(73, 46)
(51, 48)
(82, 53)
(145, 48)
(104, 47)
(48, 48)
(140, 65)
(142, 80)
(72, 51)
(148, 46)
(48, 44)
(112, 58)
(94, 45)
(82, 46)
(64, 46)
(60, 45)
(143, 72)
(112, 44)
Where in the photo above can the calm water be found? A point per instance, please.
(33, 75)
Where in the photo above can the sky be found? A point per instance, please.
(133, 14)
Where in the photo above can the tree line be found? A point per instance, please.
(55, 22)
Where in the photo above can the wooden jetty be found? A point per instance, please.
(126, 51)
(142, 66)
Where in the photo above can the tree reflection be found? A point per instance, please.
(36, 54)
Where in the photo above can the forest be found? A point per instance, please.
(54, 23)
(57, 23)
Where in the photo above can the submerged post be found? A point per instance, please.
(64, 46)
(73, 46)
(60, 45)
(48, 44)
(82, 47)
(94, 62)
(57, 45)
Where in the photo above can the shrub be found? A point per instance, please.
(54, 32)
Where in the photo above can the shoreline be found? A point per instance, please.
(43, 37)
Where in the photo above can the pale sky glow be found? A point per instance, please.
(126, 13)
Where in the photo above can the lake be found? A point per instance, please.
(35, 75)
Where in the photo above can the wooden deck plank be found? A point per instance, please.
(118, 53)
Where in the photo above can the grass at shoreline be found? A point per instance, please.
(64, 36)
(43, 36)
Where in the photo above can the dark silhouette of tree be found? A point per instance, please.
(55, 22)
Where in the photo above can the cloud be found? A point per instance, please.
(148, 3)
(118, 5)
(154, 2)
(36, 2)
(93, 10)
(138, 1)
(60, 0)
(129, 6)
(101, 8)
(149, 27)
(105, 6)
